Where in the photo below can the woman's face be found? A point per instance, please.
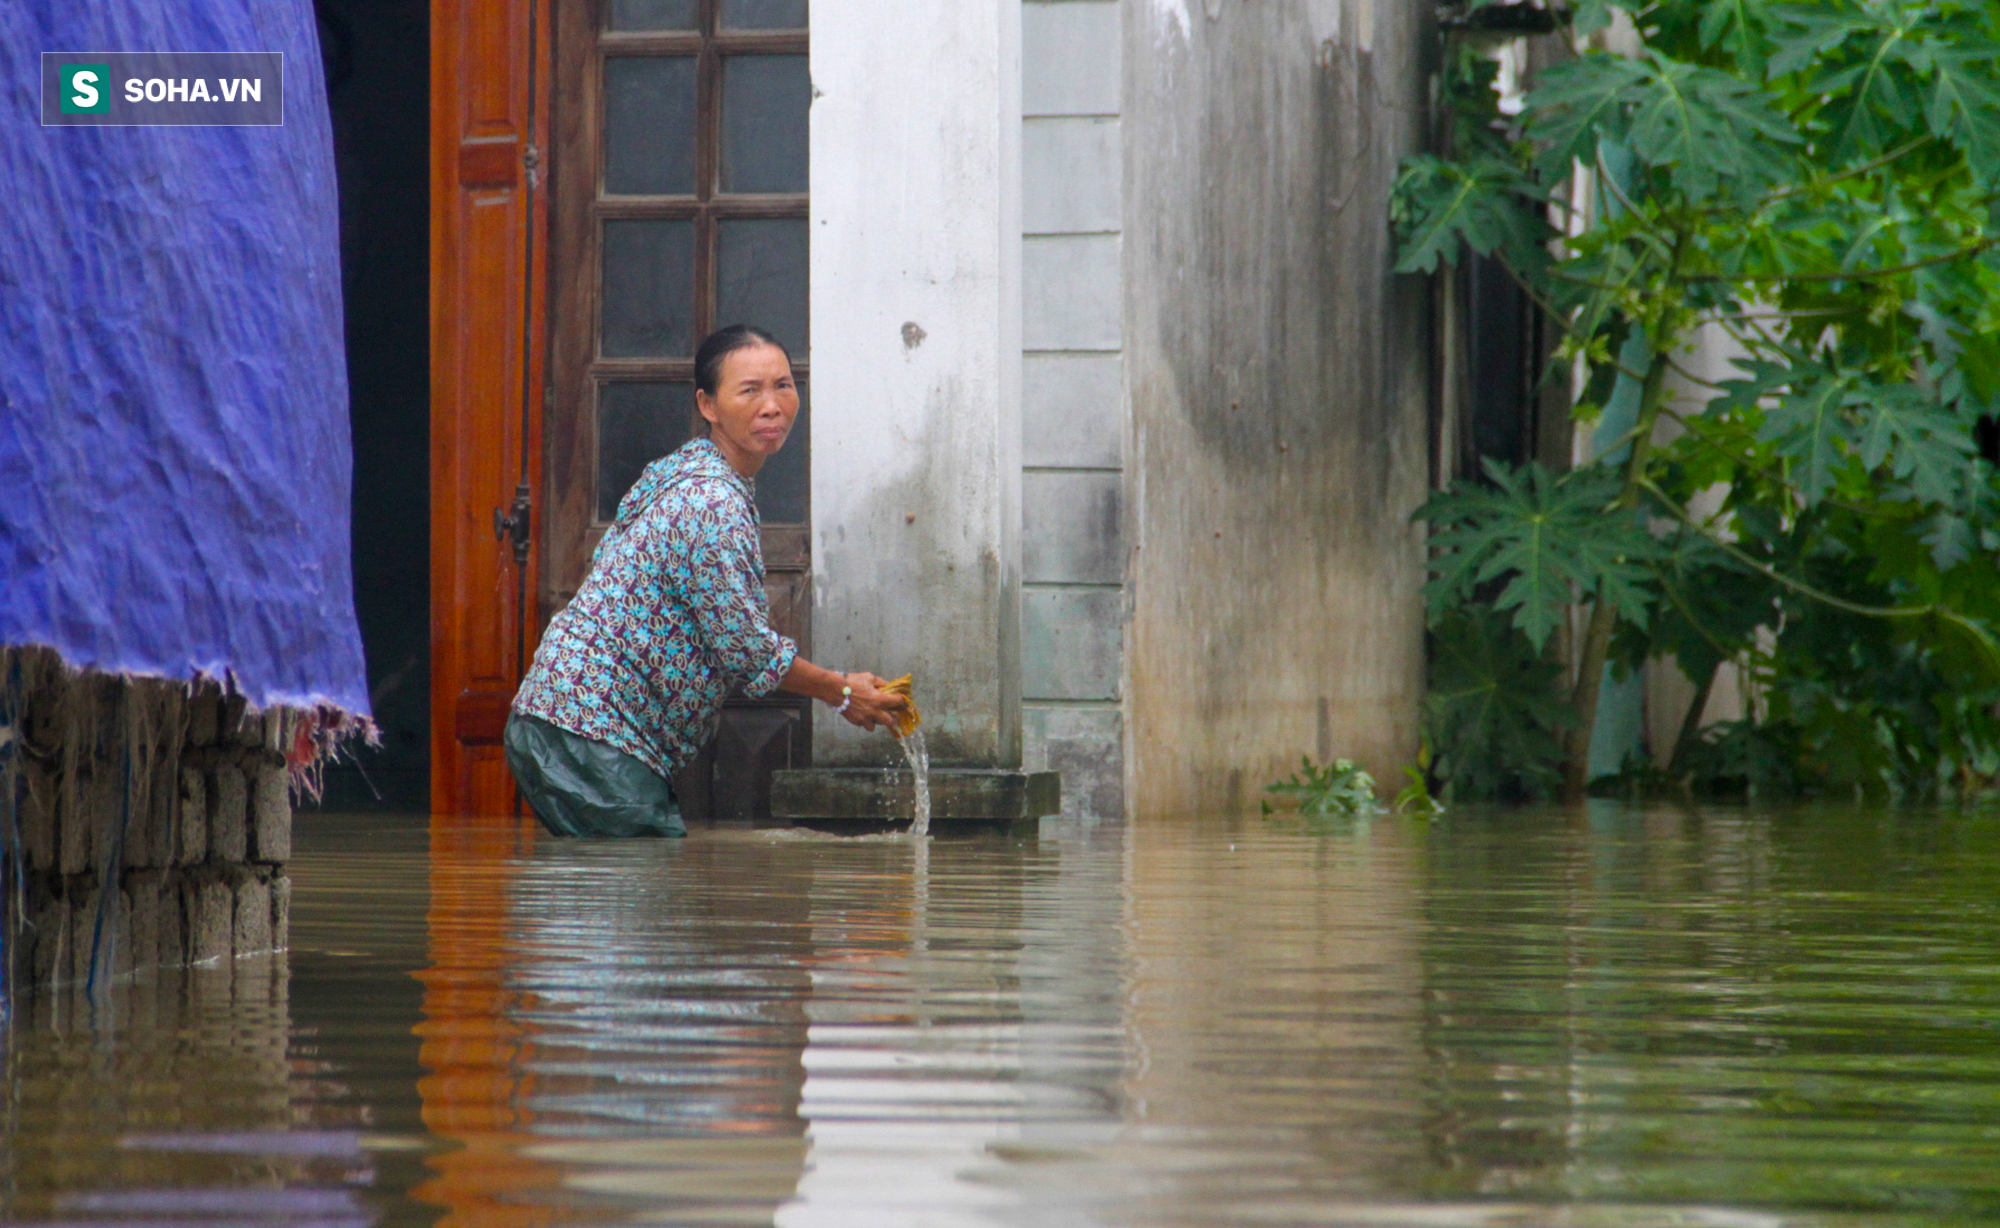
(753, 407)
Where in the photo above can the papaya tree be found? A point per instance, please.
(1817, 187)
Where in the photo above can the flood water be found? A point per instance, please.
(1618, 1017)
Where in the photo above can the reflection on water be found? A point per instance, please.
(1614, 1017)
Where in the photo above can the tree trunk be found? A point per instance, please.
(1604, 619)
(1691, 723)
(1583, 699)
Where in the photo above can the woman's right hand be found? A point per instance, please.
(870, 706)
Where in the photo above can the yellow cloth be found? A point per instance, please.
(909, 718)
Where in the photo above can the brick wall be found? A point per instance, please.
(148, 823)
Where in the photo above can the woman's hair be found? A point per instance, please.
(720, 344)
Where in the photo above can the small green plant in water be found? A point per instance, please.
(1415, 797)
(1342, 787)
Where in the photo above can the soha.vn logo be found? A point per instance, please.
(163, 88)
(193, 89)
(86, 88)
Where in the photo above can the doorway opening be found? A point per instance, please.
(678, 161)
(376, 55)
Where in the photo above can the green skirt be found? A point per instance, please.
(578, 786)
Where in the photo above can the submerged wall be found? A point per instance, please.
(1278, 381)
(143, 824)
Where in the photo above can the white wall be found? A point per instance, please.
(1073, 413)
(916, 343)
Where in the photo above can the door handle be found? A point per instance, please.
(512, 522)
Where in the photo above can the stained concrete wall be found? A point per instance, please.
(1073, 401)
(1279, 385)
(916, 367)
(147, 825)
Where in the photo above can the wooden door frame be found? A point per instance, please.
(489, 326)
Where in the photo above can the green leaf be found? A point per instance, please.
(1545, 540)
(1950, 538)
(1415, 797)
(1705, 125)
(1438, 206)
(1710, 610)
(1587, 17)
(1765, 378)
(1495, 708)
(1702, 124)
(1926, 446)
(1573, 102)
(1341, 787)
(1729, 23)
(1809, 430)
(1803, 34)
(1965, 104)
(1868, 99)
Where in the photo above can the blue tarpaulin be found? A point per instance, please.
(174, 448)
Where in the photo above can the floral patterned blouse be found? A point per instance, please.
(670, 618)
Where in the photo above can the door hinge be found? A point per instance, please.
(511, 522)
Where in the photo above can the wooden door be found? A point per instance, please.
(679, 184)
(489, 101)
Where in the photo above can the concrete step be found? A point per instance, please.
(877, 795)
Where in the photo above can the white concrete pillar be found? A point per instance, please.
(916, 366)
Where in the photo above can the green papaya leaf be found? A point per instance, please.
(1950, 538)
(1810, 429)
(1869, 99)
(1965, 102)
(1730, 24)
(1573, 102)
(1587, 17)
(1546, 540)
(1924, 445)
(1705, 126)
(1439, 207)
(1495, 711)
(1710, 609)
(1803, 33)
(1814, 188)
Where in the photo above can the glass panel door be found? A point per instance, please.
(654, 14)
(650, 117)
(764, 14)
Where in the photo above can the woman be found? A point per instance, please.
(629, 680)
